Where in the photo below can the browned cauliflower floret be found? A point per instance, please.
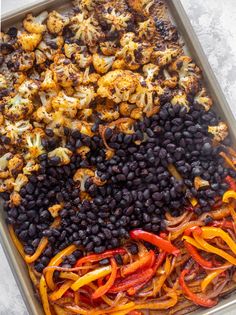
(108, 48)
(219, 132)
(65, 73)
(107, 113)
(102, 63)
(117, 20)
(85, 113)
(28, 89)
(80, 54)
(169, 81)
(63, 154)
(3, 82)
(23, 59)
(83, 127)
(163, 55)
(4, 160)
(17, 107)
(15, 164)
(81, 175)
(14, 130)
(86, 28)
(20, 181)
(150, 71)
(125, 108)
(56, 22)
(29, 41)
(48, 82)
(89, 77)
(118, 85)
(83, 151)
(40, 57)
(15, 198)
(146, 29)
(66, 104)
(88, 5)
(33, 141)
(35, 24)
(85, 95)
(141, 6)
(134, 53)
(181, 99)
(51, 46)
(54, 210)
(30, 167)
(203, 99)
(137, 113)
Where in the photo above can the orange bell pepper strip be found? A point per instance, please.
(228, 160)
(148, 259)
(103, 289)
(56, 261)
(229, 194)
(16, 241)
(41, 247)
(97, 257)
(69, 275)
(61, 291)
(44, 296)
(91, 276)
(211, 276)
(155, 240)
(202, 301)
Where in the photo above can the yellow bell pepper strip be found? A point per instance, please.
(192, 241)
(33, 277)
(158, 282)
(228, 160)
(41, 247)
(211, 276)
(61, 291)
(212, 249)
(211, 232)
(56, 261)
(69, 275)
(16, 241)
(91, 276)
(229, 194)
(202, 301)
(44, 296)
(103, 289)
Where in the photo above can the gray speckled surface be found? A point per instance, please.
(215, 24)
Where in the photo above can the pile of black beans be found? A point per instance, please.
(139, 188)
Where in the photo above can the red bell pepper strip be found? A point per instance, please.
(232, 183)
(147, 260)
(103, 289)
(159, 261)
(189, 231)
(223, 224)
(202, 301)
(131, 281)
(196, 256)
(154, 240)
(97, 257)
(135, 313)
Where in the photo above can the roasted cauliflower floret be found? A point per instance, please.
(118, 85)
(163, 55)
(169, 81)
(146, 29)
(66, 104)
(28, 89)
(40, 57)
(85, 95)
(181, 99)
(35, 24)
(15, 198)
(81, 175)
(86, 28)
(48, 82)
(56, 22)
(17, 108)
(219, 132)
(4, 160)
(30, 167)
(29, 41)
(80, 53)
(116, 19)
(14, 130)
(51, 46)
(83, 127)
(3, 82)
(125, 108)
(150, 71)
(141, 6)
(15, 164)
(88, 5)
(20, 181)
(63, 154)
(85, 113)
(102, 63)
(23, 59)
(203, 99)
(108, 48)
(34, 145)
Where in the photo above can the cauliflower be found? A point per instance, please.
(83, 151)
(102, 63)
(14, 130)
(66, 104)
(80, 53)
(56, 22)
(4, 160)
(40, 57)
(54, 210)
(24, 59)
(20, 181)
(86, 28)
(108, 48)
(118, 85)
(134, 53)
(88, 5)
(84, 114)
(15, 164)
(15, 198)
(108, 114)
(46, 97)
(82, 126)
(85, 95)
(29, 41)
(137, 113)
(3, 82)
(116, 19)
(17, 107)
(34, 24)
(48, 82)
(28, 89)
(146, 29)
(88, 78)
(30, 167)
(81, 175)
(141, 6)
(63, 154)
(219, 132)
(169, 81)
(203, 99)
(125, 125)
(125, 108)
(150, 71)
(34, 145)
(41, 114)
(51, 46)
(181, 99)
(165, 55)
(58, 120)
(65, 72)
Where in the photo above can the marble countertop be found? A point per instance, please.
(215, 24)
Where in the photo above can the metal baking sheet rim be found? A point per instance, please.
(184, 26)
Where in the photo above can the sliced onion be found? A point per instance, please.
(177, 228)
(175, 220)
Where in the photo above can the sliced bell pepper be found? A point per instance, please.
(97, 257)
(211, 276)
(91, 276)
(41, 247)
(196, 256)
(148, 259)
(160, 258)
(155, 240)
(202, 301)
(223, 224)
(229, 194)
(231, 181)
(161, 280)
(69, 275)
(16, 241)
(103, 289)
(44, 295)
(55, 295)
(56, 261)
(228, 160)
